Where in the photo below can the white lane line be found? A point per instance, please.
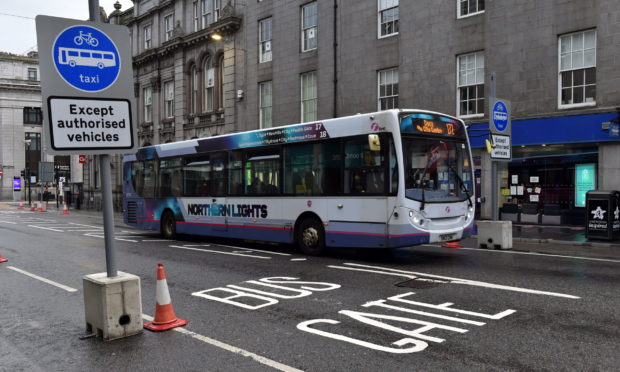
(115, 237)
(9, 222)
(414, 275)
(266, 361)
(61, 286)
(538, 254)
(156, 240)
(298, 259)
(255, 250)
(219, 252)
(44, 228)
(82, 225)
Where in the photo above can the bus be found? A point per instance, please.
(387, 179)
(85, 57)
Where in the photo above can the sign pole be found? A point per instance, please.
(494, 196)
(106, 183)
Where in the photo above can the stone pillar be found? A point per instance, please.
(609, 166)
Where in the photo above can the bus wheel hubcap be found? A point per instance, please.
(310, 237)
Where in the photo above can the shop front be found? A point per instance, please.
(555, 161)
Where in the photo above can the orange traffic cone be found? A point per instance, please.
(64, 208)
(32, 206)
(164, 313)
(21, 204)
(2, 259)
(40, 206)
(452, 245)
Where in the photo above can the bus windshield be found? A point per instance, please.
(436, 169)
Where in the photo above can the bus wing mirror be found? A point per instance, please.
(374, 143)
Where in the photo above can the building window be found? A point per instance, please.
(388, 89)
(32, 74)
(168, 27)
(209, 84)
(33, 141)
(148, 104)
(469, 7)
(388, 18)
(220, 82)
(578, 69)
(210, 11)
(196, 16)
(264, 40)
(470, 85)
(264, 97)
(147, 37)
(193, 87)
(308, 97)
(33, 115)
(309, 18)
(169, 99)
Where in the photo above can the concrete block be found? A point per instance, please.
(112, 306)
(495, 234)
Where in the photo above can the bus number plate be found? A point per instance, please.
(444, 237)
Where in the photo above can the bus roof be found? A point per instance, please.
(374, 122)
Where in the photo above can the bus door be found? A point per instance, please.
(220, 220)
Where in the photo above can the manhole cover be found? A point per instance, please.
(421, 283)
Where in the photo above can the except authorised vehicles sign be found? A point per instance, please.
(87, 86)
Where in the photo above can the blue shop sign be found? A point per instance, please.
(86, 58)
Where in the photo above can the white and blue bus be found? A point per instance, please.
(380, 180)
(86, 57)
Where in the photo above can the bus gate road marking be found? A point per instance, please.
(218, 252)
(255, 250)
(116, 237)
(61, 286)
(260, 359)
(45, 228)
(9, 222)
(416, 275)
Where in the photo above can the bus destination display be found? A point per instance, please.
(431, 124)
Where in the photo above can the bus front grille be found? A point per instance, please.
(131, 212)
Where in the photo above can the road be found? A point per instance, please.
(264, 307)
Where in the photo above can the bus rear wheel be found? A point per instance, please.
(168, 225)
(311, 237)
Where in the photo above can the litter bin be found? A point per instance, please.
(603, 214)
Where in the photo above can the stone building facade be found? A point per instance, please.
(283, 62)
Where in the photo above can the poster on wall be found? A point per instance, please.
(585, 180)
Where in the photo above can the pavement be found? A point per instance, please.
(545, 239)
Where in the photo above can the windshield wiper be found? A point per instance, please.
(458, 178)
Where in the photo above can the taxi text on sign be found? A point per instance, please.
(501, 129)
(87, 86)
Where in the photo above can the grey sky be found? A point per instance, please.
(19, 34)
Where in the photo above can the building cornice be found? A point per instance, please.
(226, 26)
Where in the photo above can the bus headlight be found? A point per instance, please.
(416, 218)
(470, 210)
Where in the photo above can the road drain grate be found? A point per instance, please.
(422, 283)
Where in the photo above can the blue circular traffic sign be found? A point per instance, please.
(500, 116)
(86, 58)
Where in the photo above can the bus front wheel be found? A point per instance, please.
(311, 237)
(168, 225)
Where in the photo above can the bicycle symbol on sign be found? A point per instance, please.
(88, 38)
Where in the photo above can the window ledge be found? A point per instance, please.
(470, 15)
(576, 105)
(387, 36)
(475, 116)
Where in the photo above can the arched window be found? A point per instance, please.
(193, 86)
(209, 84)
(220, 82)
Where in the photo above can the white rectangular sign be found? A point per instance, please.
(78, 124)
(501, 148)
